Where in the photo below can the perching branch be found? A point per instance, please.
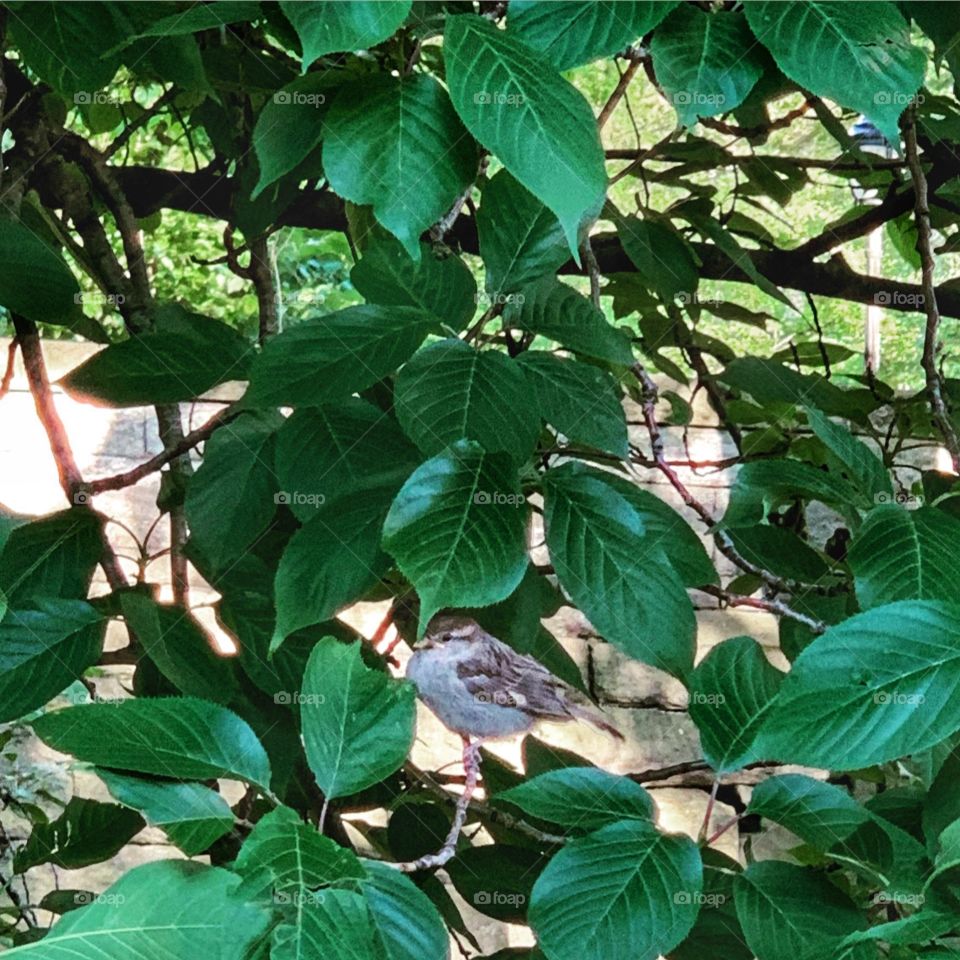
(931, 338)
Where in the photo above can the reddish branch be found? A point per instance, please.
(774, 606)
(8, 371)
(931, 337)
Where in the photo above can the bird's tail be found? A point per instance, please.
(582, 713)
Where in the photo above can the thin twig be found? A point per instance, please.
(778, 607)
(931, 337)
(618, 91)
(8, 371)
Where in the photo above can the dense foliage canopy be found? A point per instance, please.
(464, 287)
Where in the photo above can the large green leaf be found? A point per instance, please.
(283, 854)
(407, 923)
(441, 285)
(450, 391)
(328, 26)
(902, 554)
(581, 798)
(176, 737)
(166, 909)
(86, 832)
(792, 913)
(331, 357)
(520, 239)
(662, 257)
(515, 103)
(397, 143)
(457, 529)
(178, 361)
(331, 560)
(730, 692)
(54, 556)
(357, 723)
(203, 17)
(34, 280)
(337, 450)
(179, 648)
(230, 499)
(875, 687)
(626, 892)
(43, 650)
(706, 63)
(864, 467)
(571, 33)
(618, 577)
(554, 310)
(290, 126)
(578, 399)
(192, 815)
(858, 54)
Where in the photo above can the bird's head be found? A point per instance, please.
(442, 629)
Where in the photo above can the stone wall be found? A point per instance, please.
(648, 706)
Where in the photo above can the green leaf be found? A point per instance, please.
(770, 382)
(441, 285)
(357, 723)
(497, 879)
(730, 692)
(618, 577)
(792, 913)
(661, 255)
(779, 550)
(328, 26)
(584, 798)
(177, 644)
(34, 280)
(206, 16)
(166, 909)
(574, 33)
(765, 484)
(875, 687)
(283, 854)
(542, 129)
(331, 357)
(457, 529)
(331, 561)
(407, 923)
(902, 554)
(859, 55)
(449, 391)
(54, 556)
(177, 361)
(332, 923)
(176, 737)
(577, 399)
(86, 832)
(865, 468)
(43, 650)
(192, 816)
(520, 239)
(396, 143)
(554, 310)
(230, 499)
(325, 452)
(290, 126)
(626, 892)
(706, 63)
(666, 529)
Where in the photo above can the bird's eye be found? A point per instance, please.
(445, 637)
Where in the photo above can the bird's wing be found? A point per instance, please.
(500, 675)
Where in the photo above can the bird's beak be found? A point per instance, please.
(427, 643)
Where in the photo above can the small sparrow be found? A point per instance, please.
(479, 687)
